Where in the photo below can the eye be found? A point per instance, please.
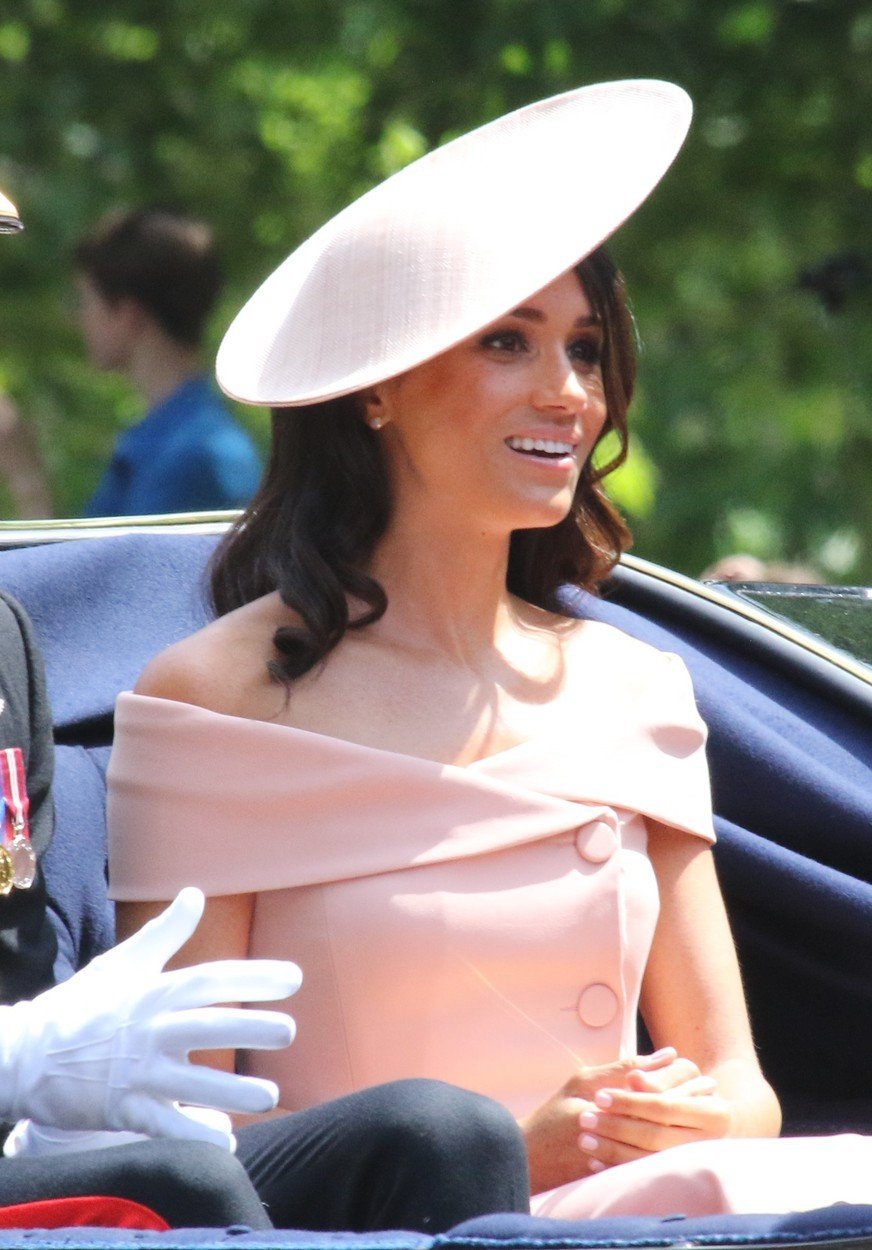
(586, 350)
(509, 341)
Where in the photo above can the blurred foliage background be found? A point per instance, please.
(750, 268)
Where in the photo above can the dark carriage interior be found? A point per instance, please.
(791, 759)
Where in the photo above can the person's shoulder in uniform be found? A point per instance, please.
(27, 941)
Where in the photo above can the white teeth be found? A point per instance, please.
(548, 445)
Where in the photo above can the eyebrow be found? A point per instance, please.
(535, 314)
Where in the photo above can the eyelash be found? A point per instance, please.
(513, 341)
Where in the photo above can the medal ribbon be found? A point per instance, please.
(15, 790)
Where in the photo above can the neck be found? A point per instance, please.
(158, 366)
(446, 586)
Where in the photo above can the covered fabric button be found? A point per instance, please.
(597, 1005)
(597, 841)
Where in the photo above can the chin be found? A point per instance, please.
(542, 514)
(539, 519)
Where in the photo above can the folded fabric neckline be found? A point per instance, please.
(331, 739)
(179, 767)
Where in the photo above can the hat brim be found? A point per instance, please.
(10, 221)
(451, 242)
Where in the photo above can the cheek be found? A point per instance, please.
(436, 413)
(597, 411)
(593, 427)
(90, 332)
(94, 325)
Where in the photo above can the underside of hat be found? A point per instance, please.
(452, 242)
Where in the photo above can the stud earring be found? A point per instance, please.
(376, 423)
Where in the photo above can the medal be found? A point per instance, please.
(6, 870)
(17, 858)
(23, 860)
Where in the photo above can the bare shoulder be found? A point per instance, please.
(584, 639)
(221, 667)
(625, 662)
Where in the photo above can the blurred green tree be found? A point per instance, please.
(750, 268)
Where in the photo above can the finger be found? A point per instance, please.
(642, 1135)
(207, 1087)
(668, 1077)
(708, 1113)
(702, 1084)
(219, 1120)
(222, 1028)
(699, 1085)
(603, 1152)
(657, 1059)
(598, 1076)
(227, 980)
(157, 1119)
(159, 939)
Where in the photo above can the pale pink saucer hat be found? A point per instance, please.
(452, 242)
(10, 222)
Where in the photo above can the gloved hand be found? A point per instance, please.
(108, 1048)
(29, 1140)
(36, 1140)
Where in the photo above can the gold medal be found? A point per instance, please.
(7, 871)
(17, 858)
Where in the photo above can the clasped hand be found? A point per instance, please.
(108, 1049)
(614, 1113)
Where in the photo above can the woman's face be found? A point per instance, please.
(497, 429)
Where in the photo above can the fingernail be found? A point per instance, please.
(665, 1052)
(588, 1119)
(588, 1142)
(595, 1165)
(603, 1099)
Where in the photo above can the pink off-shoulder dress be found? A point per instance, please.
(486, 925)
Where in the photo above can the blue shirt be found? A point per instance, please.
(187, 455)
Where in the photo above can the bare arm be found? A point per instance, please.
(692, 994)
(182, 674)
(695, 1010)
(223, 933)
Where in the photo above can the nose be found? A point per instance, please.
(558, 386)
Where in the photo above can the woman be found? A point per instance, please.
(107, 1051)
(456, 805)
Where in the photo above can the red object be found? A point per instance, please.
(96, 1211)
(13, 787)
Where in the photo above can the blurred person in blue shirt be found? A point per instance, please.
(147, 281)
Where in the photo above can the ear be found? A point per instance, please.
(373, 406)
(131, 314)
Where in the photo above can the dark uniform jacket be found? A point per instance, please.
(27, 940)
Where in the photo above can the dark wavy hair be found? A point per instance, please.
(325, 502)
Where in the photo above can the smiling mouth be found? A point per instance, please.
(541, 448)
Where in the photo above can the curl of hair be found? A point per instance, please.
(325, 503)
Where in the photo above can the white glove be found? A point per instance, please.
(108, 1048)
(33, 1140)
